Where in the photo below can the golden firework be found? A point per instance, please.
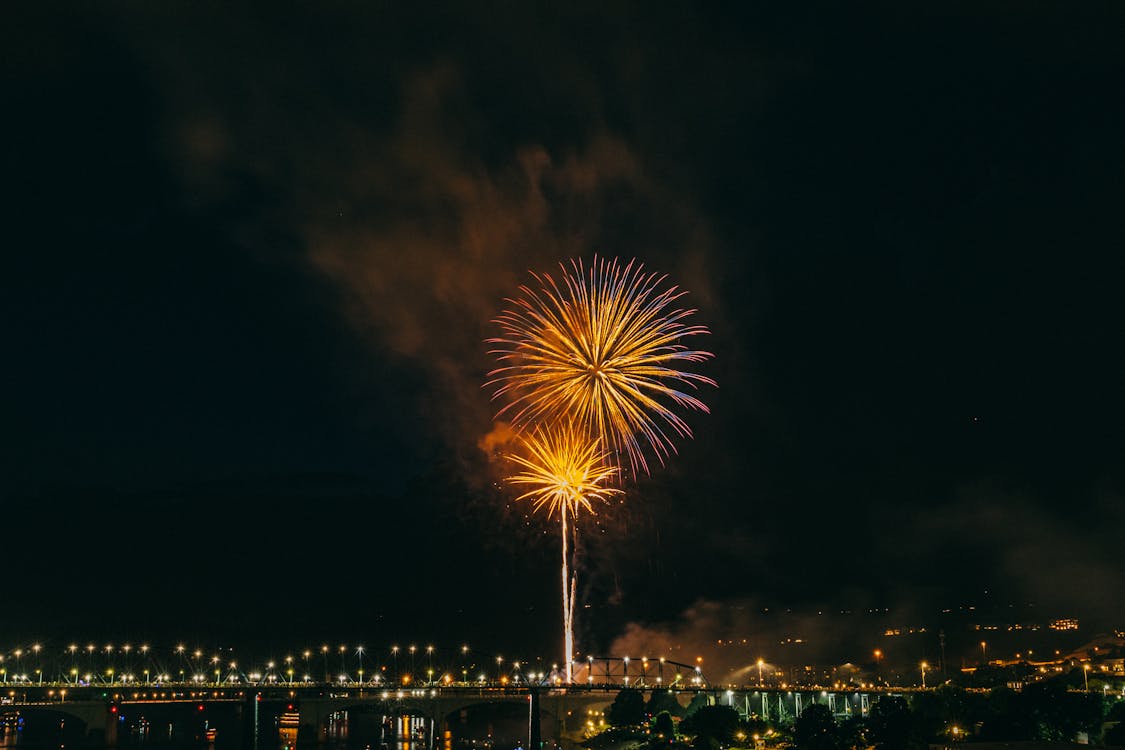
(601, 346)
(564, 469)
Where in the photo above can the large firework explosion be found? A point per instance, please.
(602, 346)
(586, 362)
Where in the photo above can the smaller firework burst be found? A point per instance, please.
(565, 471)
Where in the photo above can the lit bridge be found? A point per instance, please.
(428, 715)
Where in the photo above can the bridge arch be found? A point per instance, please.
(57, 721)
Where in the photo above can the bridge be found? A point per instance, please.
(429, 716)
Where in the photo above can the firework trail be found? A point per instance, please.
(602, 346)
(564, 472)
(590, 369)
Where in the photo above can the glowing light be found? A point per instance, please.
(589, 368)
(565, 470)
(601, 346)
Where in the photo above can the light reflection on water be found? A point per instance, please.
(343, 732)
(9, 736)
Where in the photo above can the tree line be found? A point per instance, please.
(1045, 711)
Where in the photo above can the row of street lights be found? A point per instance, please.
(193, 663)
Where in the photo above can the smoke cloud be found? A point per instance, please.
(421, 181)
(439, 238)
(727, 638)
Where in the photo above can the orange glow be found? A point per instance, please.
(600, 346)
(564, 469)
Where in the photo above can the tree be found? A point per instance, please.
(891, 724)
(662, 700)
(617, 739)
(712, 722)
(698, 701)
(1058, 714)
(854, 733)
(627, 709)
(815, 729)
(663, 727)
(1004, 717)
(703, 742)
(927, 715)
(753, 725)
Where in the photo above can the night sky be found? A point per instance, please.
(251, 256)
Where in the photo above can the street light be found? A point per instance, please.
(1086, 676)
(73, 649)
(760, 663)
(924, 665)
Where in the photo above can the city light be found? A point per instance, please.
(446, 668)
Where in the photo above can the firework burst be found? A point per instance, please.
(601, 345)
(564, 472)
(591, 367)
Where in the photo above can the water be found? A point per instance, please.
(258, 726)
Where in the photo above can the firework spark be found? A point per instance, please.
(601, 346)
(591, 368)
(565, 470)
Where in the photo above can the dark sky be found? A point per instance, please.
(251, 256)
